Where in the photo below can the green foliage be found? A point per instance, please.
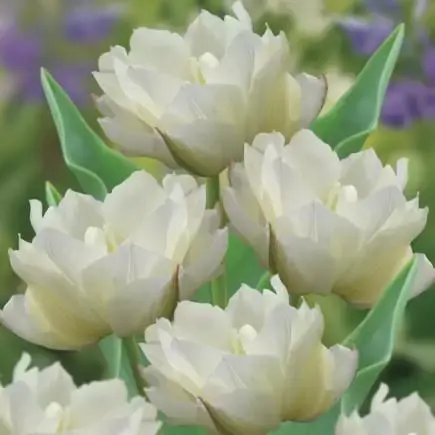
(375, 337)
(348, 124)
(97, 168)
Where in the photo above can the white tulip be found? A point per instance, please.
(47, 402)
(95, 268)
(323, 224)
(194, 100)
(244, 369)
(408, 416)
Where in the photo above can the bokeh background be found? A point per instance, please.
(331, 37)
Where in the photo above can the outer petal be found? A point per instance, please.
(159, 50)
(305, 154)
(19, 316)
(205, 256)
(314, 91)
(179, 406)
(133, 136)
(245, 214)
(132, 286)
(203, 324)
(241, 394)
(129, 203)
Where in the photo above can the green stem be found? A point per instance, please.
(213, 191)
(132, 351)
(218, 286)
(296, 300)
(264, 281)
(219, 294)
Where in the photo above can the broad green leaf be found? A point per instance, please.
(97, 167)
(348, 124)
(52, 195)
(375, 337)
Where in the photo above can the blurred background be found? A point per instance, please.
(331, 37)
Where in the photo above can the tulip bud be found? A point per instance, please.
(410, 415)
(322, 224)
(48, 402)
(194, 100)
(95, 267)
(245, 369)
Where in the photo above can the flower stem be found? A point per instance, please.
(213, 191)
(132, 352)
(218, 286)
(219, 294)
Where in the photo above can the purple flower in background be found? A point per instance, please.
(429, 63)
(19, 50)
(89, 24)
(367, 36)
(410, 98)
(24, 50)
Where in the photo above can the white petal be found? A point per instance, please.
(314, 92)
(204, 259)
(425, 275)
(19, 318)
(123, 286)
(129, 203)
(202, 323)
(159, 50)
(306, 154)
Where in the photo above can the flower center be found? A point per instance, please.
(241, 338)
(58, 415)
(339, 193)
(202, 65)
(103, 238)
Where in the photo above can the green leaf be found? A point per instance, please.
(98, 168)
(117, 364)
(111, 348)
(52, 195)
(348, 124)
(324, 425)
(375, 337)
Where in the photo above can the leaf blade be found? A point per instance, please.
(348, 124)
(97, 167)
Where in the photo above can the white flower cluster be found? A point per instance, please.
(47, 402)
(218, 99)
(409, 416)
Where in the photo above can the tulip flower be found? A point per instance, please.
(95, 267)
(194, 100)
(410, 415)
(48, 402)
(245, 369)
(322, 224)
